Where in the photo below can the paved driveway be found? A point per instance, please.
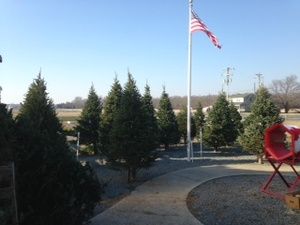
(162, 200)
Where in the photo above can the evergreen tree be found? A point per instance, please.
(220, 129)
(52, 187)
(128, 136)
(151, 127)
(7, 144)
(6, 134)
(89, 121)
(111, 106)
(167, 124)
(264, 114)
(199, 119)
(182, 124)
(237, 120)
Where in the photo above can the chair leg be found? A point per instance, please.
(279, 173)
(291, 186)
(296, 183)
(266, 186)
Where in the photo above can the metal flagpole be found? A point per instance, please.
(189, 76)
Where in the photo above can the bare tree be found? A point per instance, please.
(285, 92)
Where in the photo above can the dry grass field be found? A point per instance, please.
(69, 117)
(291, 119)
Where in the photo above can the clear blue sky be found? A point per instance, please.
(77, 42)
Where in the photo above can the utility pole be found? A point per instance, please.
(228, 79)
(259, 78)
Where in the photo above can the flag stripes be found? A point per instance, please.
(198, 25)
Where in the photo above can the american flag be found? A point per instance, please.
(198, 25)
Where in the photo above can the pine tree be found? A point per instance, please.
(89, 121)
(52, 187)
(128, 135)
(237, 120)
(182, 124)
(199, 119)
(167, 124)
(151, 127)
(7, 130)
(111, 106)
(264, 113)
(220, 129)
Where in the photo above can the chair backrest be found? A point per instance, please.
(276, 146)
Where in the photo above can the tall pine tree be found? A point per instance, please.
(52, 187)
(129, 132)
(111, 106)
(167, 123)
(237, 121)
(7, 134)
(89, 121)
(220, 129)
(151, 127)
(264, 113)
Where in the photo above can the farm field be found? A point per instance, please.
(69, 117)
(291, 119)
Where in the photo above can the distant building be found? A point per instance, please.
(207, 109)
(242, 102)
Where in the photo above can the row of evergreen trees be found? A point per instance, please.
(127, 130)
(52, 187)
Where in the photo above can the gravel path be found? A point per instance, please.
(238, 200)
(115, 180)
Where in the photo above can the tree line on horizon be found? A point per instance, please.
(285, 93)
(178, 102)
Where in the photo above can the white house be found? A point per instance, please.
(242, 102)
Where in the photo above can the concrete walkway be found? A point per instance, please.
(162, 200)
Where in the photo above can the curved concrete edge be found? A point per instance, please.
(162, 200)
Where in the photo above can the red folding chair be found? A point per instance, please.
(278, 151)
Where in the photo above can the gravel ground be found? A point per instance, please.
(238, 200)
(115, 180)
